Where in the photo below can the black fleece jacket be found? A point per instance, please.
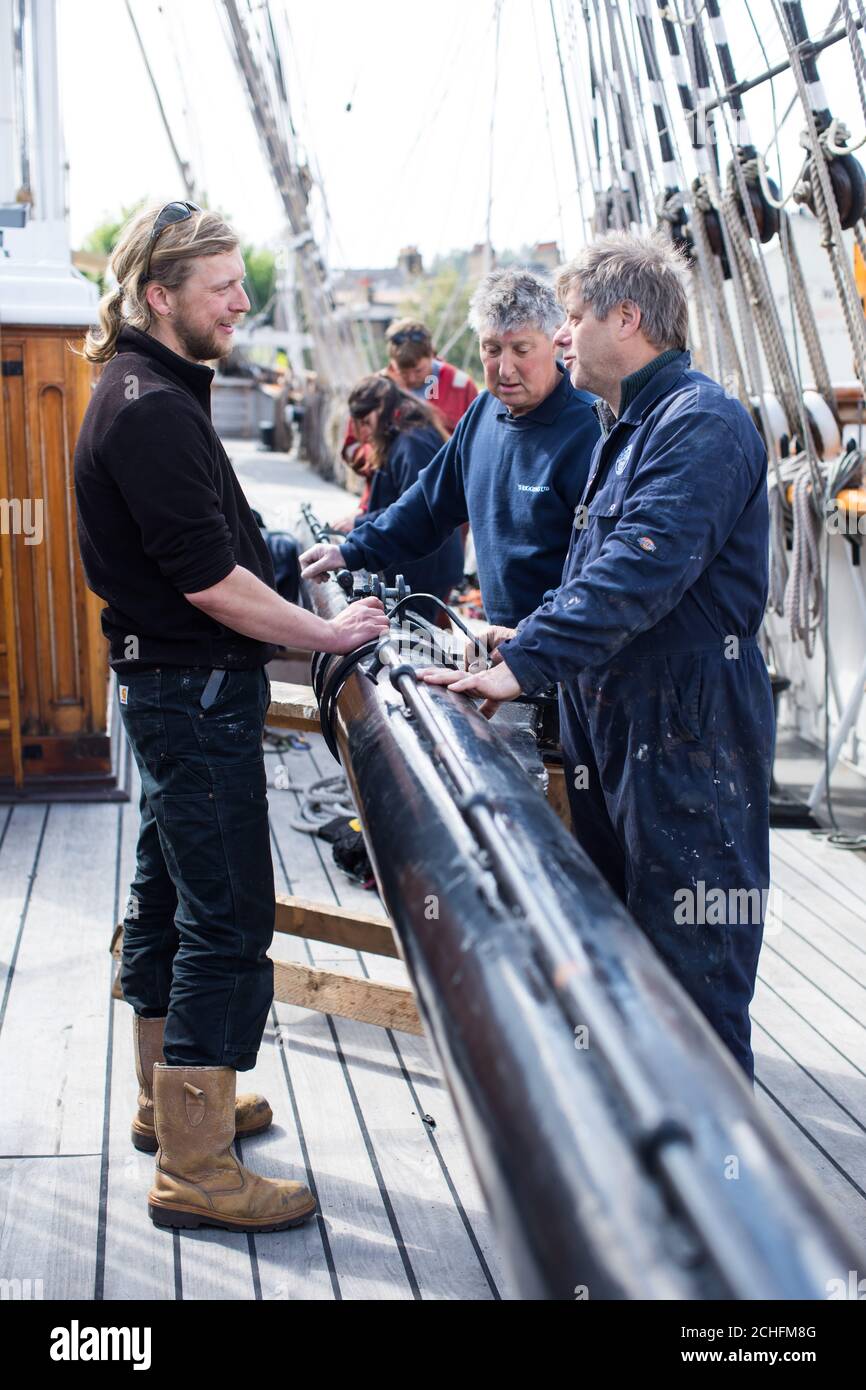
(161, 512)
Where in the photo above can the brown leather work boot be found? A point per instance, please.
(252, 1112)
(198, 1180)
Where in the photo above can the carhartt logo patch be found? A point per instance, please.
(124, 692)
(645, 543)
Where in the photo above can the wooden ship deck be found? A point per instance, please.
(361, 1112)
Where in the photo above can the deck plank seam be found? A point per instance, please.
(812, 1140)
(384, 1193)
(177, 1264)
(786, 926)
(809, 1024)
(102, 1207)
(816, 863)
(5, 1157)
(334, 889)
(440, 1158)
(841, 1007)
(455, 1196)
(332, 1023)
(366, 1138)
(25, 907)
(310, 1176)
(806, 906)
(251, 1241)
(806, 1072)
(5, 827)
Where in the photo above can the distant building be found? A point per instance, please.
(371, 296)
(545, 255)
(482, 258)
(410, 262)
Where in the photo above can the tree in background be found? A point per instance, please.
(99, 244)
(261, 280)
(441, 300)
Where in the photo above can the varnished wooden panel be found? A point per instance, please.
(62, 653)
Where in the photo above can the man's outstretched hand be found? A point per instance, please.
(319, 560)
(358, 623)
(494, 686)
(482, 649)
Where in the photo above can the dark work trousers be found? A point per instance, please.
(200, 915)
(668, 765)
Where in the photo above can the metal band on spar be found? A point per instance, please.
(620, 1153)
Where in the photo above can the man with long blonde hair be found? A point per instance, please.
(168, 540)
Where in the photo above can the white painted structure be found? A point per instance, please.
(38, 283)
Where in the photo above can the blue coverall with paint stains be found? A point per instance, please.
(665, 702)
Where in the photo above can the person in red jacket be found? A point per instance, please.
(413, 365)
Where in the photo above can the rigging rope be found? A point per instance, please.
(791, 258)
(550, 141)
(803, 601)
(639, 187)
(707, 199)
(826, 209)
(321, 801)
(616, 201)
(856, 49)
(738, 210)
(568, 115)
(708, 283)
(650, 182)
(488, 245)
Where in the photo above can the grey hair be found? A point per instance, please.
(511, 298)
(646, 269)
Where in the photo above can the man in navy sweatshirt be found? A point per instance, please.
(515, 467)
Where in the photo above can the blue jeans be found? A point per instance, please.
(200, 917)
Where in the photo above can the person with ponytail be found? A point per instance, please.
(140, 260)
(192, 615)
(401, 435)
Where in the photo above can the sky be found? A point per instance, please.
(393, 103)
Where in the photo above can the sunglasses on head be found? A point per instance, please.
(167, 216)
(411, 335)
